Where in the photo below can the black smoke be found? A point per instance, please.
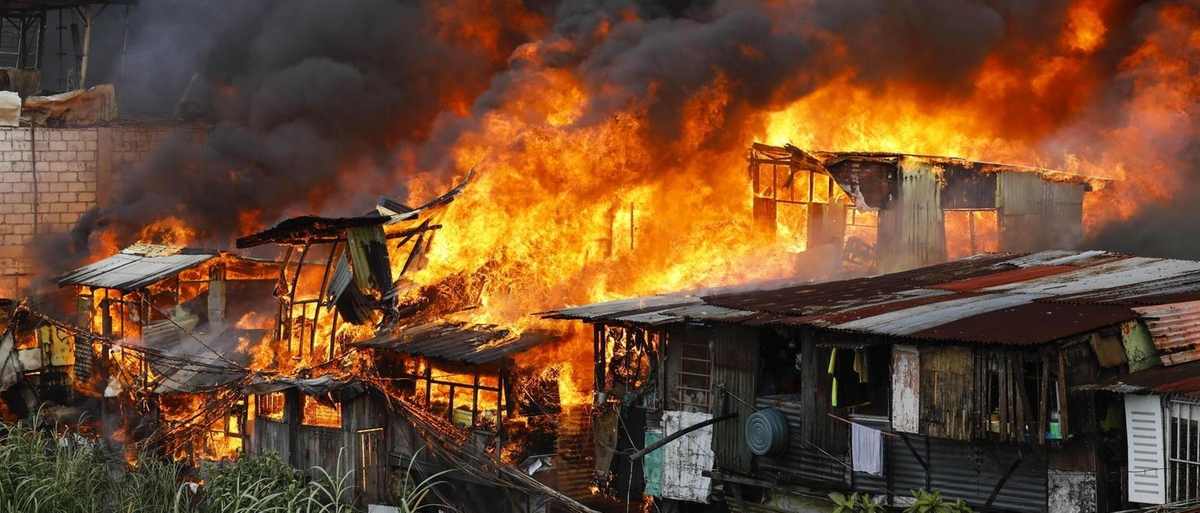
(319, 106)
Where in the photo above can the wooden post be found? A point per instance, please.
(1062, 394)
(428, 384)
(475, 399)
(291, 414)
(1043, 396)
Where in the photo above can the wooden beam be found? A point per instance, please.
(987, 506)
(1062, 394)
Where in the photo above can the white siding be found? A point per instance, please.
(1147, 457)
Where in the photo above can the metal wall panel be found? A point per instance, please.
(1063, 225)
(970, 471)
(1019, 198)
(735, 371)
(802, 462)
(912, 231)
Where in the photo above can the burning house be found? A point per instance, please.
(373, 375)
(159, 326)
(893, 211)
(1061, 381)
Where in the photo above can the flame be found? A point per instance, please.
(169, 231)
(580, 197)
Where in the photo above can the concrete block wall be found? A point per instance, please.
(49, 177)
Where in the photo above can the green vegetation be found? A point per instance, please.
(923, 502)
(41, 471)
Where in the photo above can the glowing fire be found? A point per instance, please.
(572, 207)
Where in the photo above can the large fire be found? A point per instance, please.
(588, 191)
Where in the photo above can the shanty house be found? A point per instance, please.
(382, 379)
(1055, 381)
(154, 322)
(894, 211)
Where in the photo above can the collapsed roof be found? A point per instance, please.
(870, 178)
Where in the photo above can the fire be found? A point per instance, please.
(170, 231)
(594, 186)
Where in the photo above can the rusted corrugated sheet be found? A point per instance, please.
(735, 369)
(995, 299)
(575, 445)
(1004, 277)
(1184, 377)
(1175, 330)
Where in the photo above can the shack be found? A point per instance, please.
(136, 339)
(911, 210)
(1055, 381)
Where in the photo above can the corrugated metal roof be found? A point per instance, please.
(136, 267)
(476, 344)
(1176, 378)
(1175, 330)
(994, 298)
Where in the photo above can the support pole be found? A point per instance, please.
(676, 435)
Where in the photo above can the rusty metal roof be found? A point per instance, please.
(1174, 329)
(475, 344)
(1184, 378)
(136, 266)
(994, 298)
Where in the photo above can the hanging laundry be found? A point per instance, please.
(867, 449)
(860, 365)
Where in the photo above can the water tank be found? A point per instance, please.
(767, 432)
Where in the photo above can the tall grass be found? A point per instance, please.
(42, 471)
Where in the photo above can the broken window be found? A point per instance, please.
(970, 232)
(862, 234)
(270, 406)
(799, 206)
(462, 394)
(320, 413)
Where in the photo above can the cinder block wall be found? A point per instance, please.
(50, 176)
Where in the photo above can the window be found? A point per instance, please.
(970, 232)
(1183, 450)
(695, 376)
(318, 413)
(270, 406)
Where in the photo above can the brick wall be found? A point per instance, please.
(49, 177)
